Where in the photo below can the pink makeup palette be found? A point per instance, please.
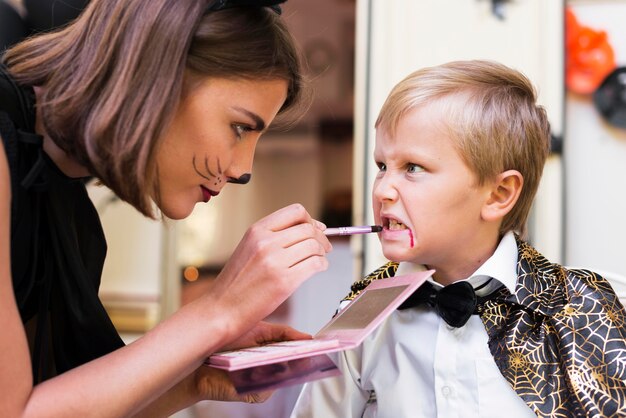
(345, 331)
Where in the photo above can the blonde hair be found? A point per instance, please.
(114, 77)
(497, 127)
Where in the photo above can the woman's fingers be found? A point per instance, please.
(264, 333)
(215, 384)
(276, 259)
(300, 238)
(294, 224)
(276, 255)
(300, 270)
(288, 216)
(302, 232)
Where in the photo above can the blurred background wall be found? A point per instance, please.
(595, 148)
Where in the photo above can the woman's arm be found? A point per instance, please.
(211, 383)
(276, 256)
(16, 376)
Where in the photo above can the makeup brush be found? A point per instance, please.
(351, 230)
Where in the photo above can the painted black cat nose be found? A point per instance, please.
(243, 179)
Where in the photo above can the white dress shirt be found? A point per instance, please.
(415, 365)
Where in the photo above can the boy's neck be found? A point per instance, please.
(474, 256)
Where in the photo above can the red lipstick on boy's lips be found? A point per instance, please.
(207, 194)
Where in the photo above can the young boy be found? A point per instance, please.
(460, 150)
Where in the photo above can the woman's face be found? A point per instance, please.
(211, 139)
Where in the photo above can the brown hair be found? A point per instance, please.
(497, 127)
(114, 77)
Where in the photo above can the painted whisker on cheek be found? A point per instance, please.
(219, 171)
(211, 177)
(218, 179)
(206, 166)
(193, 162)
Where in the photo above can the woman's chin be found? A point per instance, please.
(177, 212)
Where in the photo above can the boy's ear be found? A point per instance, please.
(505, 191)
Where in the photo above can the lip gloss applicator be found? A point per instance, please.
(351, 230)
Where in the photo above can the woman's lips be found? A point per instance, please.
(207, 194)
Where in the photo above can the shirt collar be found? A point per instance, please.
(502, 266)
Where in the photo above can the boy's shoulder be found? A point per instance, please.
(385, 271)
(542, 286)
(573, 310)
(548, 287)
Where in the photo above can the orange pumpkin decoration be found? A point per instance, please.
(589, 56)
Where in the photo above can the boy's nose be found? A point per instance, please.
(385, 189)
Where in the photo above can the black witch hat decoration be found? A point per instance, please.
(610, 98)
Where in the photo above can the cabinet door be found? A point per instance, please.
(396, 37)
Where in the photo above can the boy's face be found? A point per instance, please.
(426, 197)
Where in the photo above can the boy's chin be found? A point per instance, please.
(398, 256)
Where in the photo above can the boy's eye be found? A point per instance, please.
(381, 166)
(414, 168)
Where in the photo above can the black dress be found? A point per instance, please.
(57, 247)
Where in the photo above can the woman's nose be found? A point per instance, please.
(239, 171)
(243, 179)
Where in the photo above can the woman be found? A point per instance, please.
(163, 101)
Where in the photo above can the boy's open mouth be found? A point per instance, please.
(394, 225)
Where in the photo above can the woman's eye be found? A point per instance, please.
(414, 168)
(241, 129)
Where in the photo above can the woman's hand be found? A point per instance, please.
(214, 384)
(275, 256)
(265, 333)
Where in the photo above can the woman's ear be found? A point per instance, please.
(503, 196)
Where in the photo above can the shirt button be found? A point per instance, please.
(446, 391)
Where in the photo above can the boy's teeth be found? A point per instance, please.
(395, 225)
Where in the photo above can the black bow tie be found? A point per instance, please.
(454, 303)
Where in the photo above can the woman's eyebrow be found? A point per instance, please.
(258, 121)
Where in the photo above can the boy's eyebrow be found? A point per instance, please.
(258, 121)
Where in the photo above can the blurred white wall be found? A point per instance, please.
(595, 160)
(139, 280)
